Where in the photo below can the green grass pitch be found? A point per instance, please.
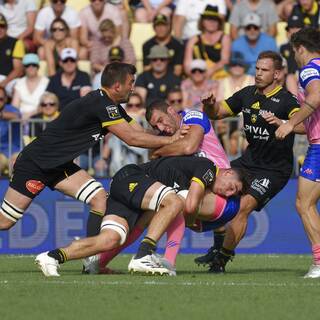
(255, 287)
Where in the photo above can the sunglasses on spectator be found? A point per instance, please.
(197, 70)
(58, 29)
(175, 101)
(61, 1)
(252, 26)
(31, 65)
(47, 104)
(68, 60)
(159, 59)
(97, 0)
(3, 26)
(2, 98)
(131, 105)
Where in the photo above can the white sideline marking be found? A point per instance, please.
(306, 283)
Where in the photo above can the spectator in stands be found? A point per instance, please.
(48, 110)
(187, 14)
(29, 89)
(56, 9)
(21, 16)
(8, 149)
(109, 38)
(253, 41)
(163, 36)
(175, 98)
(155, 84)
(70, 83)
(114, 54)
(308, 11)
(11, 54)
(294, 24)
(121, 153)
(148, 9)
(265, 9)
(197, 85)
(212, 45)
(237, 78)
(91, 17)
(59, 39)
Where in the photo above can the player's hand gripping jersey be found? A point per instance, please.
(264, 151)
(78, 128)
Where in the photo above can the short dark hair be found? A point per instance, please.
(156, 105)
(62, 21)
(116, 72)
(245, 179)
(307, 37)
(274, 56)
(175, 89)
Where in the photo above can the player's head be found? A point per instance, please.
(230, 182)
(119, 77)
(268, 69)
(305, 42)
(163, 117)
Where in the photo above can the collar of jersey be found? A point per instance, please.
(314, 9)
(55, 115)
(272, 92)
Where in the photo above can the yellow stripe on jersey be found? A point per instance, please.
(132, 121)
(293, 112)
(110, 123)
(225, 105)
(199, 182)
(273, 92)
(18, 51)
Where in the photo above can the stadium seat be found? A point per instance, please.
(281, 37)
(140, 33)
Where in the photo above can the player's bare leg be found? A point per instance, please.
(83, 187)
(306, 204)
(12, 208)
(234, 233)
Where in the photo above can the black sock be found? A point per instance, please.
(218, 237)
(147, 246)
(59, 255)
(94, 223)
(227, 254)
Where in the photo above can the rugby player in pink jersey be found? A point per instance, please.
(306, 47)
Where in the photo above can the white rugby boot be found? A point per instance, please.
(48, 265)
(148, 264)
(314, 272)
(164, 262)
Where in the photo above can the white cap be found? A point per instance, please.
(198, 64)
(68, 53)
(252, 18)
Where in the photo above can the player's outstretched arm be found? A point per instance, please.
(212, 108)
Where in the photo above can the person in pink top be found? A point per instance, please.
(306, 47)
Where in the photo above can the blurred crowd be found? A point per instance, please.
(53, 51)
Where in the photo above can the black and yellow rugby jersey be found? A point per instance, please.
(178, 172)
(79, 127)
(264, 151)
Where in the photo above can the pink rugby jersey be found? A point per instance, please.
(308, 73)
(210, 147)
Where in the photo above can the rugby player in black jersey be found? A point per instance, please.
(152, 187)
(48, 160)
(269, 161)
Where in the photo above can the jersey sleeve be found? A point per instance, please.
(234, 103)
(195, 117)
(292, 106)
(112, 114)
(205, 172)
(308, 74)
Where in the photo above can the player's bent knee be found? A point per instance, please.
(9, 214)
(174, 204)
(90, 190)
(119, 229)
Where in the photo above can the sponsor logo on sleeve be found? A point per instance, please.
(308, 73)
(208, 177)
(113, 111)
(193, 114)
(261, 186)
